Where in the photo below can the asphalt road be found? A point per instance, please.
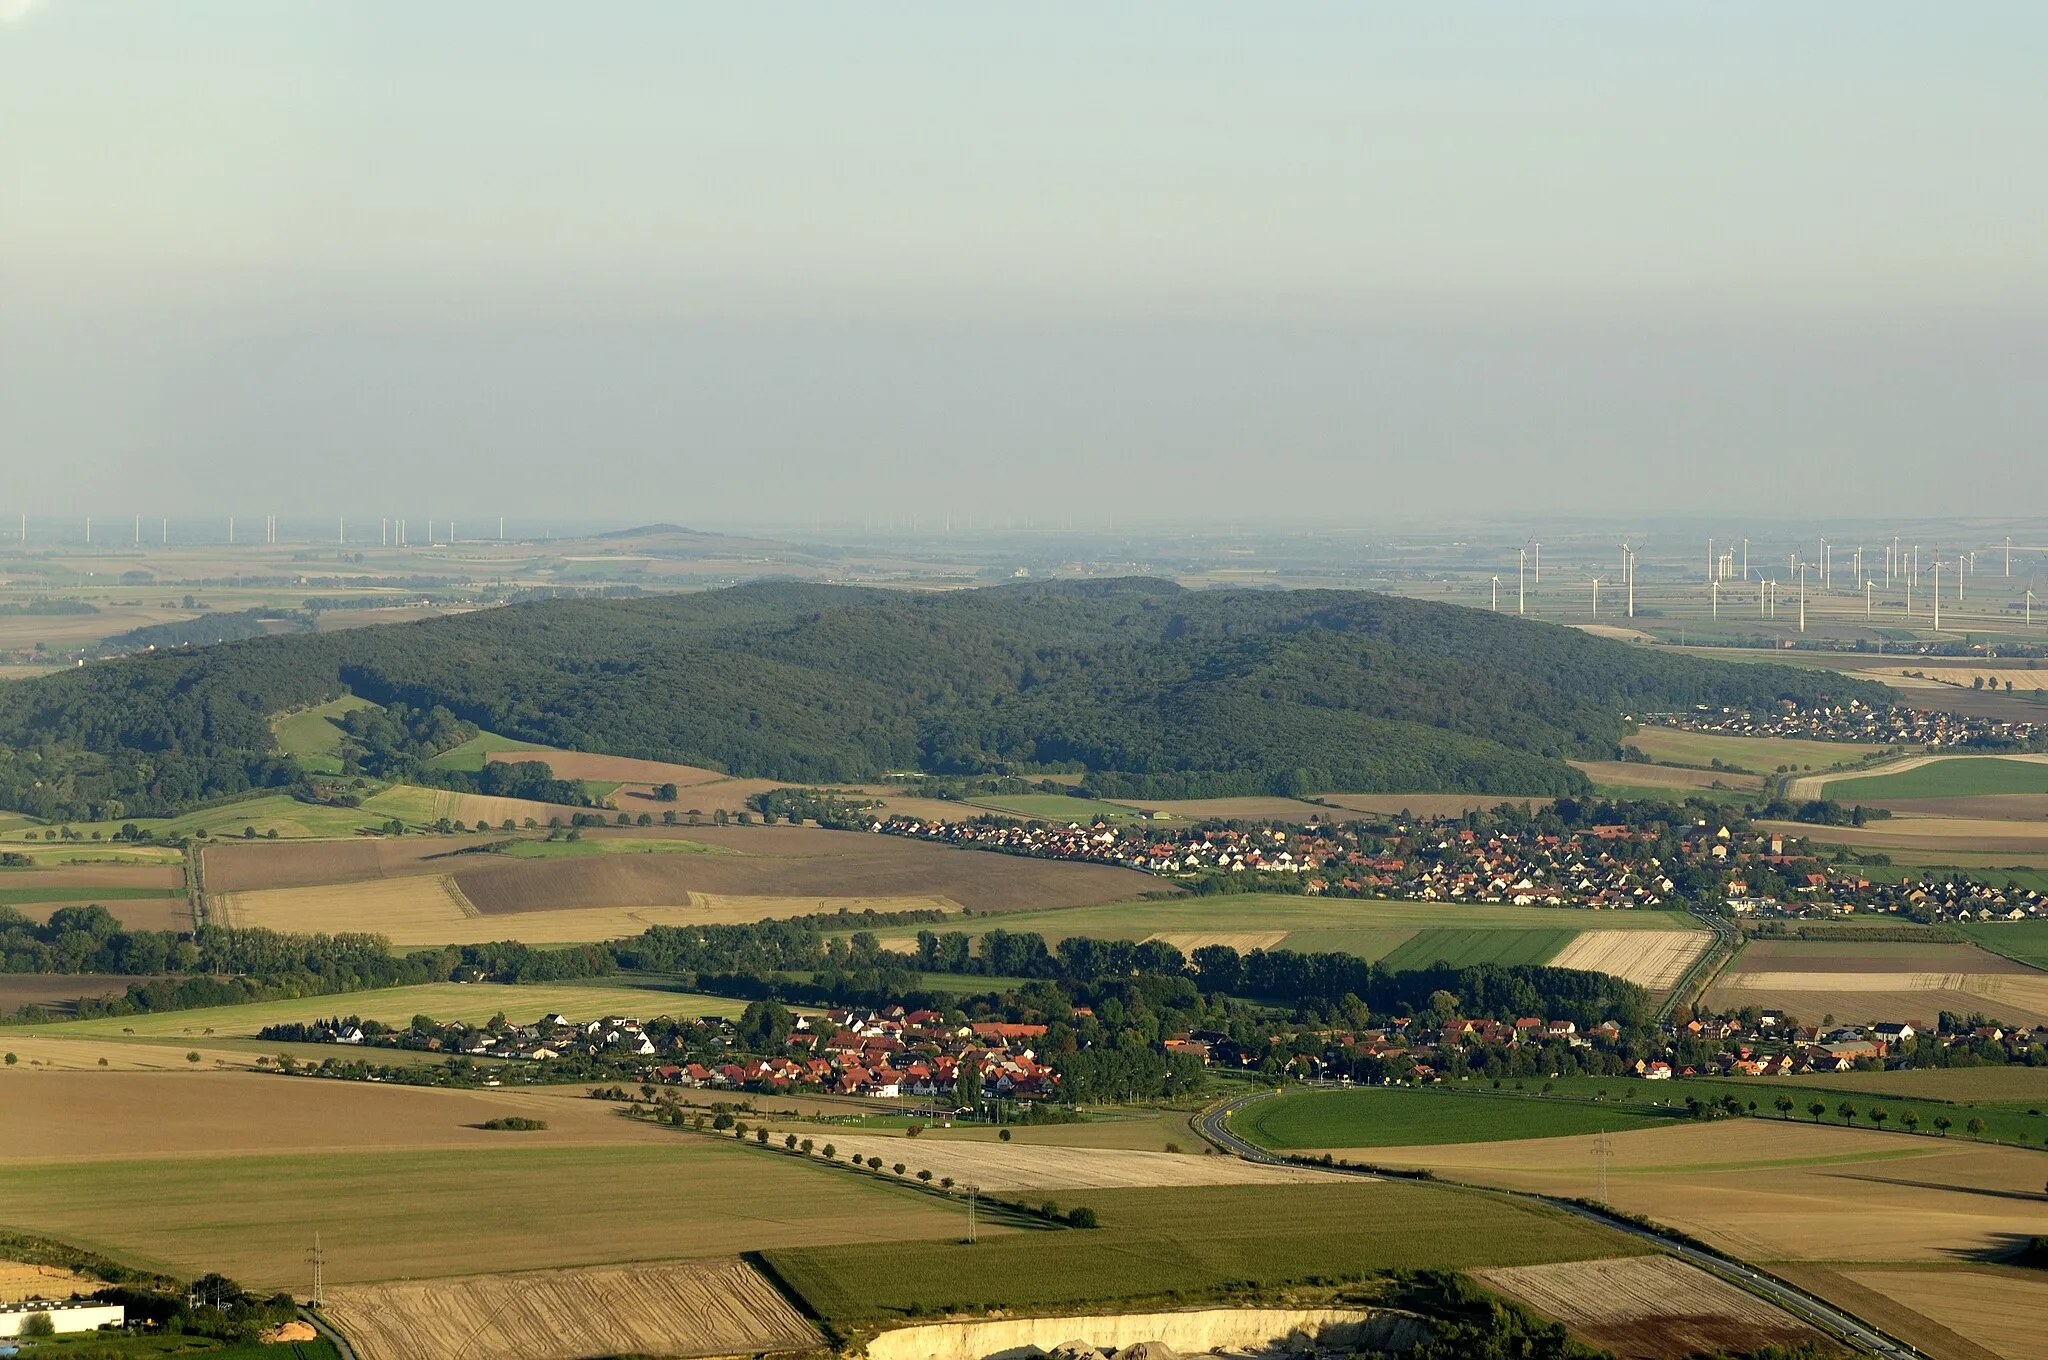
(1214, 1125)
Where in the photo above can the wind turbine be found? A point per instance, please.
(1496, 594)
(1522, 582)
(1802, 596)
(1714, 589)
(1596, 597)
(2030, 609)
(1937, 593)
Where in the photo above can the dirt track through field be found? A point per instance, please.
(1009, 1166)
(1652, 1307)
(695, 1308)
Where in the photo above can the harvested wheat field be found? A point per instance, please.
(2003, 1311)
(91, 1116)
(418, 908)
(1778, 1190)
(1012, 1166)
(1650, 1307)
(1989, 835)
(1243, 941)
(1651, 958)
(1857, 981)
(692, 1308)
(134, 913)
(1635, 774)
(19, 1282)
(612, 769)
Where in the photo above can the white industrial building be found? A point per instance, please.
(64, 1315)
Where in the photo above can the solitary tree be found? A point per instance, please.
(898, 1168)
(790, 1142)
(1784, 1104)
(1975, 1128)
(1816, 1109)
(925, 1176)
(1942, 1124)
(1911, 1121)
(1878, 1114)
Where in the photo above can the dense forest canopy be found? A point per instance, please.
(1153, 690)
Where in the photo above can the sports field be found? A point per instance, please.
(1190, 1242)
(1387, 1116)
(1947, 777)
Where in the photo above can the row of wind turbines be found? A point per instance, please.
(391, 532)
(1901, 567)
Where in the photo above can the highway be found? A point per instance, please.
(1214, 1125)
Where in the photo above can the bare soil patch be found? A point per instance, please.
(1635, 774)
(694, 1308)
(612, 769)
(285, 864)
(828, 867)
(55, 992)
(1650, 1307)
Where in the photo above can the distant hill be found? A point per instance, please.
(1154, 690)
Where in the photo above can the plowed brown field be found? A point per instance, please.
(1650, 1307)
(95, 875)
(828, 867)
(612, 769)
(285, 864)
(693, 1308)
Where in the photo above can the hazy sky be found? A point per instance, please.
(745, 263)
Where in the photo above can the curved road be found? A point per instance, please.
(1214, 1124)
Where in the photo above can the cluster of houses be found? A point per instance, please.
(888, 1052)
(1852, 721)
(1928, 898)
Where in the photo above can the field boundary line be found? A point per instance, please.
(456, 895)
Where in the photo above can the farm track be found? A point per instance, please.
(1213, 1124)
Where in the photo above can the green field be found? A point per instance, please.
(1622, 793)
(279, 811)
(311, 737)
(2005, 1120)
(2026, 941)
(470, 754)
(392, 1214)
(1187, 1244)
(78, 893)
(1463, 947)
(1369, 928)
(1759, 755)
(1387, 1116)
(1951, 777)
(470, 1002)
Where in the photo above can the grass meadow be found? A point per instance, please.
(470, 1002)
(2006, 1120)
(82, 892)
(1958, 777)
(1462, 947)
(2026, 941)
(1388, 1116)
(1190, 1243)
(312, 738)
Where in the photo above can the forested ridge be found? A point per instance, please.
(1153, 690)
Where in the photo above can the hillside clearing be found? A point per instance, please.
(698, 1308)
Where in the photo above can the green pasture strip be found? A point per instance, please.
(1192, 1243)
(1949, 777)
(2006, 1121)
(1392, 1116)
(71, 892)
(1463, 947)
(470, 754)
